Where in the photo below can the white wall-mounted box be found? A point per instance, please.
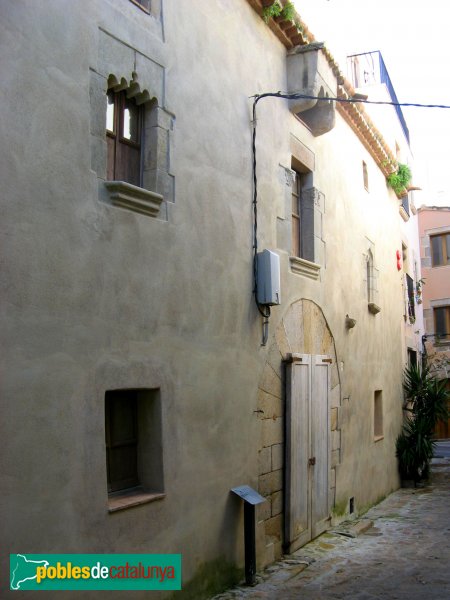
(268, 280)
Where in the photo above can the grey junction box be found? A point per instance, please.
(268, 282)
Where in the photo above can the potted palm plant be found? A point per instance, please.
(425, 403)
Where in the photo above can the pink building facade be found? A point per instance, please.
(434, 232)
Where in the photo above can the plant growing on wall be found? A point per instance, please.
(426, 403)
(400, 180)
(276, 9)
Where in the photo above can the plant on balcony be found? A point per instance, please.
(426, 403)
(276, 9)
(400, 179)
(419, 285)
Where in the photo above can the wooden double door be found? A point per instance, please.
(307, 507)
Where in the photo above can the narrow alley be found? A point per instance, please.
(399, 550)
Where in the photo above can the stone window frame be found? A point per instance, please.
(311, 211)
(371, 274)
(122, 68)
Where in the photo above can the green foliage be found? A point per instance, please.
(414, 449)
(274, 10)
(427, 403)
(400, 179)
(287, 12)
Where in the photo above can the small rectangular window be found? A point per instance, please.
(440, 249)
(305, 200)
(365, 176)
(412, 357)
(411, 305)
(442, 322)
(121, 439)
(378, 415)
(133, 440)
(405, 204)
(123, 137)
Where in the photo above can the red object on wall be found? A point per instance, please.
(399, 261)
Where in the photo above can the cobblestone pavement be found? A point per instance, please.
(404, 555)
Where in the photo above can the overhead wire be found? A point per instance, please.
(265, 311)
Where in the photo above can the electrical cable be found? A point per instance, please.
(298, 96)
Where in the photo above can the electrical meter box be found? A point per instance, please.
(268, 283)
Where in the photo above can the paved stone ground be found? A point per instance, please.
(405, 555)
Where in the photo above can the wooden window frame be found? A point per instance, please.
(446, 333)
(116, 156)
(296, 216)
(445, 251)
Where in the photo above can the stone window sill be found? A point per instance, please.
(378, 438)
(129, 498)
(134, 198)
(373, 308)
(301, 266)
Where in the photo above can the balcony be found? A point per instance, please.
(309, 73)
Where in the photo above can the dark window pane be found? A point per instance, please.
(121, 439)
(123, 467)
(447, 245)
(436, 249)
(411, 307)
(122, 423)
(440, 320)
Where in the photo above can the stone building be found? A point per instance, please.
(140, 381)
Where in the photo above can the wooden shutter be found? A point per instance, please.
(121, 439)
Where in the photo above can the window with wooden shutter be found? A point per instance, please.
(440, 249)
(442, 322)
(134, 447)
(123, 134)
(121, 439)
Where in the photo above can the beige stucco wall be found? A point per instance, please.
(98, 298)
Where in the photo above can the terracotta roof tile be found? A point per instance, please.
(298, 34)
